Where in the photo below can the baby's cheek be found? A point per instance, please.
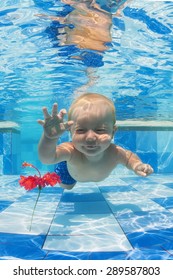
(105, 138)
(76, 138)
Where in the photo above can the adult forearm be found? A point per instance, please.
(47, 149)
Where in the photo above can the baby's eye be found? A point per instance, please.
(80, 130)
(100, 130)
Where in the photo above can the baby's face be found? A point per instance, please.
(93, 129)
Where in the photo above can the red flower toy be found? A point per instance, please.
(31, 182)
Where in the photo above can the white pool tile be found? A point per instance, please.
(17, 217)
(130, 205)
(89, 243)
(122, 196)
(86, 232)
(153, 190)
(20, 224)
(112, 181)
(162, 179)
(11, 193)
(81, 224)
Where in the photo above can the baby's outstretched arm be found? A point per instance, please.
(53, 126)
(137, 165)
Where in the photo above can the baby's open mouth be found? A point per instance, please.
(91, 146)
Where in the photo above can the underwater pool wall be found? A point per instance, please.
(29, 150)
(151, 141)
(10, 152)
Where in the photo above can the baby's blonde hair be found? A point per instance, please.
(90, 98)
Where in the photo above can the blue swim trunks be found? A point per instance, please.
(110, 6)
(62, 171)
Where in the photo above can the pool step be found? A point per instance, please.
(7, 126)
(145, 125)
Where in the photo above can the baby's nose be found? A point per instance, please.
(90, 136)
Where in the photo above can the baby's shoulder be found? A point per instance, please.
(69, 149)
(68, 146)
(116, 149)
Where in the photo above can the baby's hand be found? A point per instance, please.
(143, 169)
(53, 124)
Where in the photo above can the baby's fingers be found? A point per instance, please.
(144, 170)
(141, 173)
(41, 122)
(62, 113)
(67, 125)
(54, 110)
(70, 123)
(45, 113)
(149, 170)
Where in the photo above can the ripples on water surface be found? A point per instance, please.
(36, 70)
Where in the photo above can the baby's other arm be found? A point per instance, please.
(133, 162)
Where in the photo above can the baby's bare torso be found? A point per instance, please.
(84, 170)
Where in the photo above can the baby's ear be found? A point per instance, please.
(115, 128)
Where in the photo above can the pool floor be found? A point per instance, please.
(121, 218)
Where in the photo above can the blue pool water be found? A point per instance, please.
(125, 216)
